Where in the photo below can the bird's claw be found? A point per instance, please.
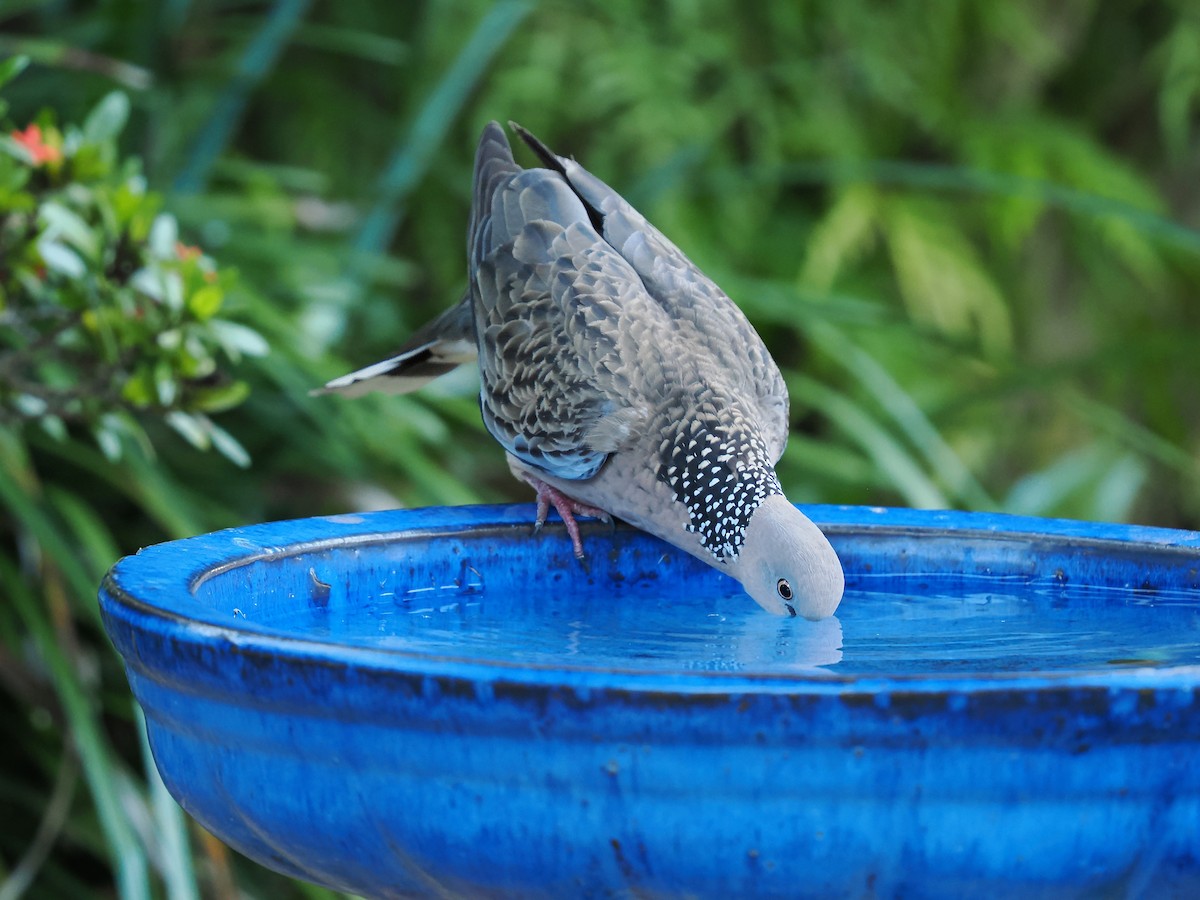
(543, 510)
(567, 508)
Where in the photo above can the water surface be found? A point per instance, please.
(1007, 628)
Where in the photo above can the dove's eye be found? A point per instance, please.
(785, 592)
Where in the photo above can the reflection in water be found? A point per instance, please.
(758, 642)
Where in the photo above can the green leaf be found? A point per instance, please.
(219, 399)
(229, 446)
(149, 281)
(11, 68)
(841, 237)
(203, 433)
(29, 405)
(206, 302)
(54, 426)
(172, 294)
(138, 389)
(1180, 91)
(14, 175)
(61, 259)
(107, 119)
(238, 340)
(164, 235)
(191, 427)
(359, 42)
(109, 443)
(195, 359)
(165, 386)
(943, 283)
(65, 224)
(123, 423)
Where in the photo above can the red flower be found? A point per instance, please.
(31, 140)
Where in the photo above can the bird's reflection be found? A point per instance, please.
(757, 643)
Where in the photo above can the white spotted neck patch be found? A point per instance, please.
(721, 473)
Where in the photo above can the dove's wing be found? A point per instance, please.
(703, 314)
(560, 317)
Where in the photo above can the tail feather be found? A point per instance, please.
(449, 340)
(439, 347)
(572, 172)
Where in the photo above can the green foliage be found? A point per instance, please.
(967, 232)
(104, 313)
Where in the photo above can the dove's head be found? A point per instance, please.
(787, 565)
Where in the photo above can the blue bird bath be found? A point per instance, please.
(435, 702)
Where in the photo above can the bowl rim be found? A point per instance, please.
(168, 568)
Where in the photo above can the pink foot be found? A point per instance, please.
(566, 507)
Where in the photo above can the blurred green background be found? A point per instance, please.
(967, 230)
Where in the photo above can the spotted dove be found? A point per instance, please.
(618, 378)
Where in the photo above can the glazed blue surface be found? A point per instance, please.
(424, 701)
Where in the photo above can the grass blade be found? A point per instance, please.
(171, 827)
(29, 513)
(99, 767)
(417, 147)
(258, 59)
(53, 52)
(54, 817)
(932, 177)
(899, 405)
(888, 454)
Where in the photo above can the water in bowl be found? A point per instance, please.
(998, 626)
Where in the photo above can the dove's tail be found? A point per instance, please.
(595, 195)
(438, 348)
